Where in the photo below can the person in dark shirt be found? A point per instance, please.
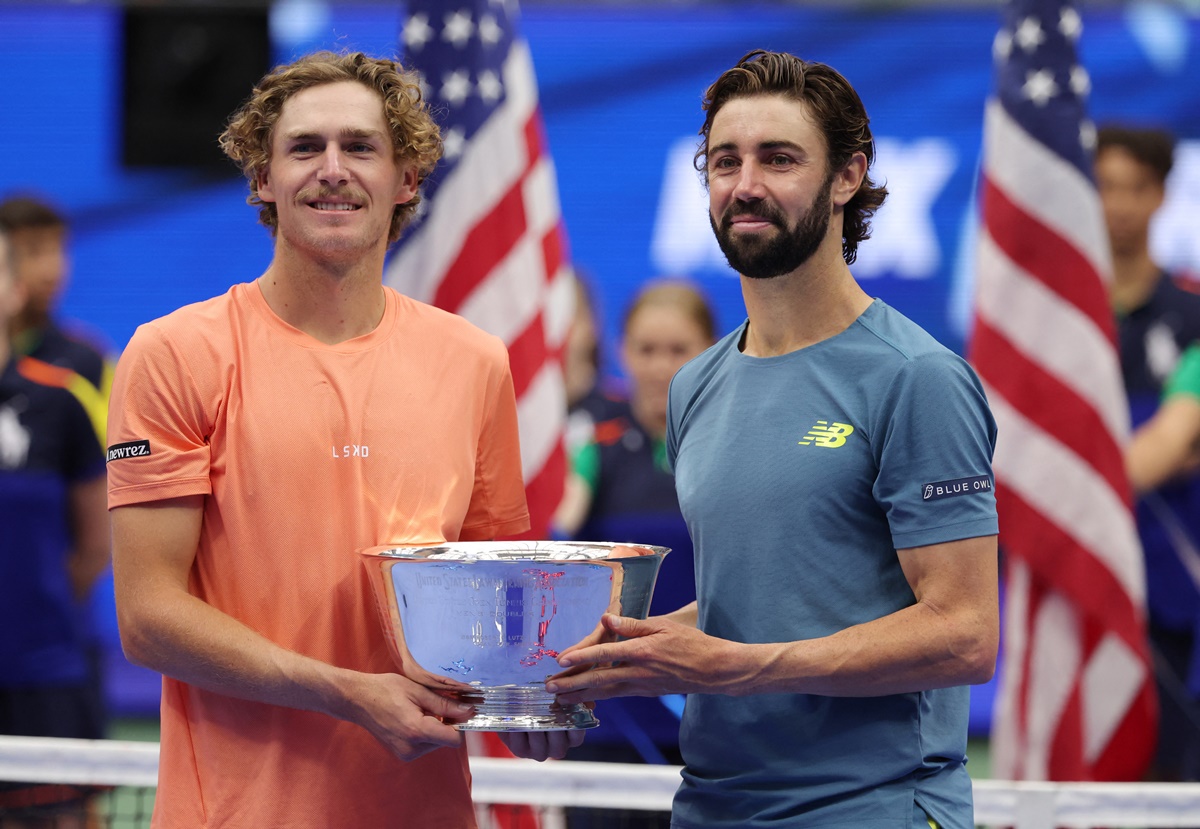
(53, 547)
(1157, 319)
(38, 235)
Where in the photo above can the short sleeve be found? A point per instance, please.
(158, 427)
(586, 464)
(934, 452)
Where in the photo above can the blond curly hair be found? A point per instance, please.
(415, 135)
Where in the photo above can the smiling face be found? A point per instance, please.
(333, 175)
(771, 194)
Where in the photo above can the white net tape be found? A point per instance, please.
(85, 762)
(569, 783)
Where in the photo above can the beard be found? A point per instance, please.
(764, 258)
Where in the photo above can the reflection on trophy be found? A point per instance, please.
(486, 620)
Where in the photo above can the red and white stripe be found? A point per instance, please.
(1076, 700)
(493, 250)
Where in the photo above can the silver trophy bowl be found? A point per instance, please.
(485, 620)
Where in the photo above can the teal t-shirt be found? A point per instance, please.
(799, 477)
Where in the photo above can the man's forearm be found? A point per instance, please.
(914, 649)
(185, 638)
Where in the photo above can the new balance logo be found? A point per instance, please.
(827, 434)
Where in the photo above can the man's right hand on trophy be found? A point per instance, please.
(407, 717)
(645, 658)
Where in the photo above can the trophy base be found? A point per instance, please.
(525, 708)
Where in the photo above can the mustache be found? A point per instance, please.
(328, 193)
(758, 209)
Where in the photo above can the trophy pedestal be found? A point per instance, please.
(525, 708)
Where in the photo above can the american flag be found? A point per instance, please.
(1076, 700)
(490, 245)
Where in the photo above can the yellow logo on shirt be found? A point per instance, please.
(827, 434)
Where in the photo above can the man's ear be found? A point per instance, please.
(848, 179)
(409, 185)
(263, 186)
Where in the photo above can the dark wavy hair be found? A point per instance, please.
(833, 105)
(415, 135)
(1154, 147)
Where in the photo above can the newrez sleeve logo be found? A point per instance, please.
(120, 451)
(958, 486)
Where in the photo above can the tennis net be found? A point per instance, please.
(48, 783)
(54, 783)
(109, 784)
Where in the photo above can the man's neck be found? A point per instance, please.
(327, 302)
(1134, 279)
(796, 310)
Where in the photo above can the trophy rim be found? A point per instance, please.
(475, 551)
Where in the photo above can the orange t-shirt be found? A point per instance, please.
(307, 453)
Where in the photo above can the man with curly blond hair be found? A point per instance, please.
(260, 438)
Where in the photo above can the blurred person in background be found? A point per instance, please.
(588, 399)
(621, 489)
(53, 546)
(261, 438)
(1157, 319)
(39, 235)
